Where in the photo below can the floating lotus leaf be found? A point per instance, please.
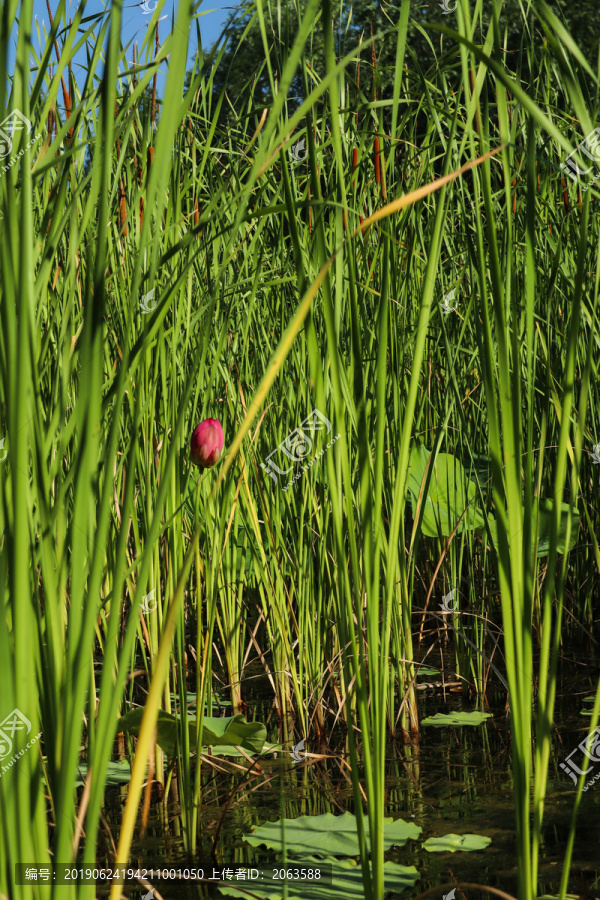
(224, 750)
(588, 710)
(328, 834)
(451, 493)
(191, 698)
(427, 670)
(347, 881)
(544, 523)
(117, 772)
(557, 897)
(450, 843)
(442, 720)
(231, 731)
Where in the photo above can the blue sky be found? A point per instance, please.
(212, 17)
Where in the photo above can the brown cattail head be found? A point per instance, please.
(66, 94)
(51, 119)
(377, 154)
(122, 211)
(514, 181)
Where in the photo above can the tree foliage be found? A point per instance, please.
(244, 61)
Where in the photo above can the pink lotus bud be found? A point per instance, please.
(207, 443)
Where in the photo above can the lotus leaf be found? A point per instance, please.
(328, 834)
(450, 843)
(441, 720)
(347, 882)
(116, 773)
(231, 731)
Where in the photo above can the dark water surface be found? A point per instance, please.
(456, 780)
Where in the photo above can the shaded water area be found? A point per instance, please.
(455, 780)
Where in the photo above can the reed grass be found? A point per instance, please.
(281, 287)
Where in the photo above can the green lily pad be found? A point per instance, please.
(450, 493)
(557, 897)
(328, 834)
(588, 710)
(191, 698)
(544, 522)
(232, 731)
(442, 720)
(427, 670)
(450, 843)
(347, 882)
(117, 772)
(224, 750)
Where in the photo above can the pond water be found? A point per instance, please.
(457, 780)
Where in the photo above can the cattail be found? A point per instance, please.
(122, 211)
(66, 94)
(377, 161)
(51, 119)
(196, 213)
(514, 181)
